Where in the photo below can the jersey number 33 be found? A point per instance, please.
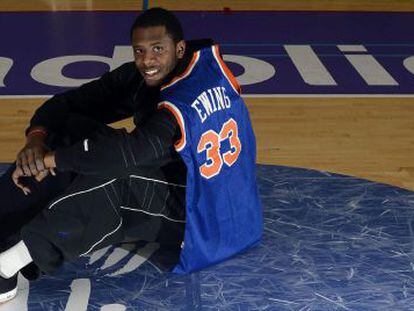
(211, 141)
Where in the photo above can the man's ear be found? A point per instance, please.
(180, 49)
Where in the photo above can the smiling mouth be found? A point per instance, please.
(150, 73)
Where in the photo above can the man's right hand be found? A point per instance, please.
(30, 158)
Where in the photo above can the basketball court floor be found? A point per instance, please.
(329, 85)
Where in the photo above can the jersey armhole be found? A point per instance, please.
(225, 70)
(180, 144)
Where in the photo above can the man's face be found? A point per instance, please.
(155, 53)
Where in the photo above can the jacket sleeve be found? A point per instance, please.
(118, 153)
(105, 100)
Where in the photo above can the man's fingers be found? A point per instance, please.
(25, 165)
(32, 162)
(39, 177)
(15, 176)
(18, 160)
(33, 169)
(40, 165)
(25, 189)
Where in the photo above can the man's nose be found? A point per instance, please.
(148, 59)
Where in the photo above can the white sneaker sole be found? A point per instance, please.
(8, 296)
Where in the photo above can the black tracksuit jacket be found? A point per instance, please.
(119, 94)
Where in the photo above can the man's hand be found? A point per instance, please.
(30, 158)
(49, 164)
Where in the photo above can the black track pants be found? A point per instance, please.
(17, 209)
(92, 213)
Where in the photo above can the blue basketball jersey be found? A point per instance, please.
(223, 212)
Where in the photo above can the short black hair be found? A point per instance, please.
(160, 17)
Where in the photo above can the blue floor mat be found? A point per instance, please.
(331, 242)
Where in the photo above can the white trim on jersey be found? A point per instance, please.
(223, 71)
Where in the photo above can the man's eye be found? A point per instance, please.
(137, 51)
(158, 49)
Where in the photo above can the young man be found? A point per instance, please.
(179, 169)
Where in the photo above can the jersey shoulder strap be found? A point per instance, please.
(215, 50)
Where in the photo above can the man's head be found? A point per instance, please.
(157, 40)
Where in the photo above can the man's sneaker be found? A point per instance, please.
(8, 288)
